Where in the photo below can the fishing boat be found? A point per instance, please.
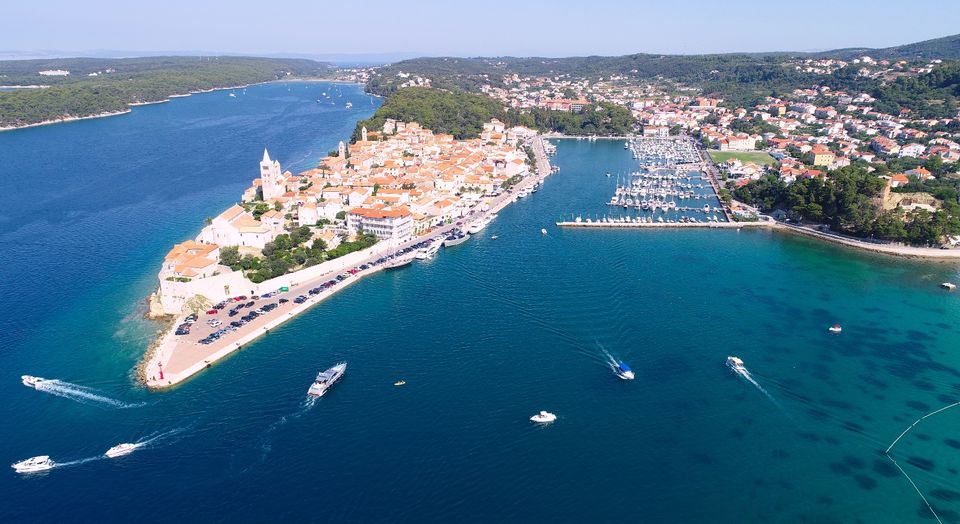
(31, 381)
(400, 383)
(33, 465)
(121, 449)
(623, 371)
(543, 417)
(836, 328)
(326, 379)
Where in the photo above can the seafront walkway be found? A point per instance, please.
(178, 357)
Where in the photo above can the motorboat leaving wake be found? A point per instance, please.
(74, 392)
(326, 379)
(623, 371)
(735, 364)
(34, 465)
(31, 381)
(620, 368)
(121, 449)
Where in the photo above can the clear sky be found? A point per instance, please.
(487, 27)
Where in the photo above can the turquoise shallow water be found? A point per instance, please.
(485, 335)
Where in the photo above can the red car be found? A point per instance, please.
(213, 312)
(353, 271)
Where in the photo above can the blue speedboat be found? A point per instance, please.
(623, 371)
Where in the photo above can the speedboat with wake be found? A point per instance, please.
(736, 365)
(543, 417)
(326, 379)
(31, 381)
(33, 465)
(623, 371)
(121, 449)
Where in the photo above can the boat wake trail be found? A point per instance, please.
(158, 437)
(82, 394)
(265, 445)
(743, 372)
(58, 465)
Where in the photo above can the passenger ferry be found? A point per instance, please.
(326, 379)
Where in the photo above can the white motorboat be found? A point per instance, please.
(32, 465)
(543, 231)
(836, 328)
(326, 379)
(623, 371)
(736, 365)
(31, 381)
(121, 449)
(949, 286)
(543, 417)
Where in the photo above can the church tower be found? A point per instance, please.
(363, 134)
(342, 150)
(271, 179)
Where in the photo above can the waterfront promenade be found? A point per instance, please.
(176, 358)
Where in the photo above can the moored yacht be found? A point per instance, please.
(121, 449)
(32, 465)
(326, 379)
(456, 237)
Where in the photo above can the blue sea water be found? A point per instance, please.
(485, 335)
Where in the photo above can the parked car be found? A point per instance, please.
(283, 301)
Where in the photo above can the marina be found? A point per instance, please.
(673, 186)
